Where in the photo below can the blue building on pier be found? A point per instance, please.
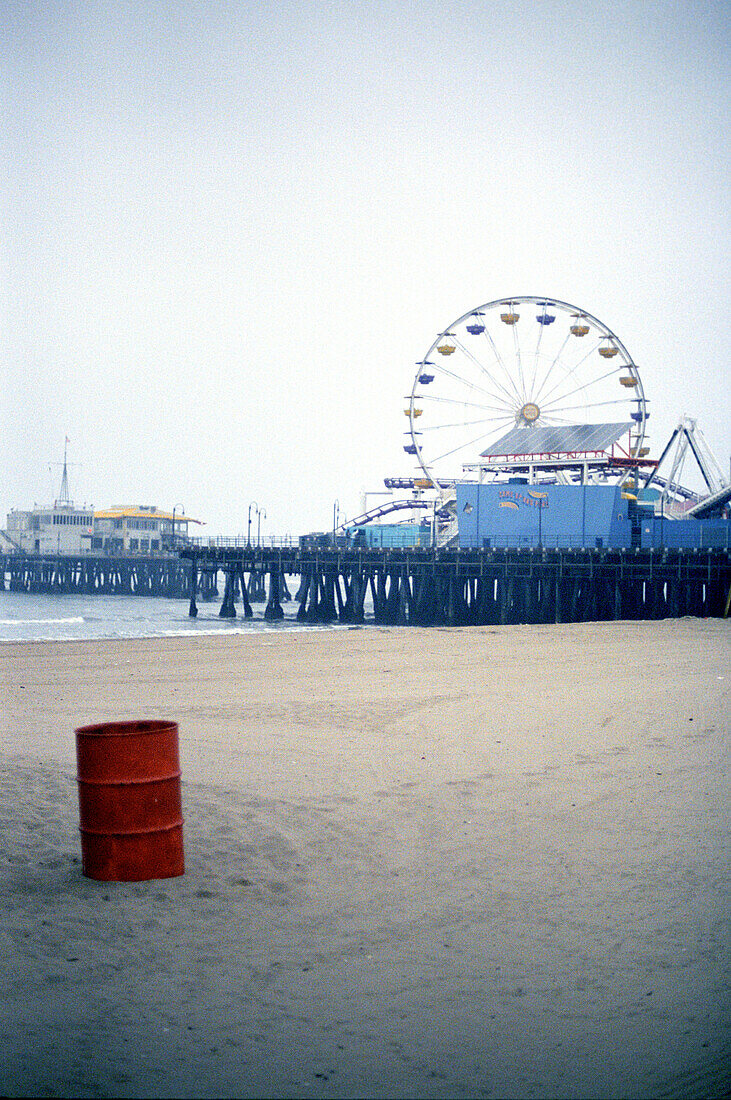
(515, 513)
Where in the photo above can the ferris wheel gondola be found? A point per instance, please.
(524, 362)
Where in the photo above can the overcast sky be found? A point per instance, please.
(230, 228)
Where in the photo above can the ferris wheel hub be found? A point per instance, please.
(529, 413)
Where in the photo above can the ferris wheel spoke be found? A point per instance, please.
(462, 382)
(463, 404)
(553, 419)
(558, 422)
(537, 353)
(447, 454)
(592, 404)
(503, 394)
(483, 436)
(556, 358)
(578, 389)
(572, 370)
(500, 360)
(519, 364)
(481, 367)
(429, 428)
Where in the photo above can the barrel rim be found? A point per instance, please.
(148, 780)
(131, 728)
(178, 824)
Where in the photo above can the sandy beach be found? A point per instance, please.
(479, 862)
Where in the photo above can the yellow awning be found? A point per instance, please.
(130, 512)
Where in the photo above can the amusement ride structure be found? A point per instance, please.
(529, 385)
(687, 440)
(539, 389)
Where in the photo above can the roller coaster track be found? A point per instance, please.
(385, 510)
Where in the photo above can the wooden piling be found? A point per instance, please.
(273, 610)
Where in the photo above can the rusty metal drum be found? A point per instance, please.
(130, 807)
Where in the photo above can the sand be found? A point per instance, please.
(480, 862)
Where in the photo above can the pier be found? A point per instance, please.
(428, 587)
(95, 574)
(410, 586)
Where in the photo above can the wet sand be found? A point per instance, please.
(488, 861)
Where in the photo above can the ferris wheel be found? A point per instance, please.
(519, 363)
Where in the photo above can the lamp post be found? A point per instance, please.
(175, 508)
(336, 517)
(260, 512)
(253, 504)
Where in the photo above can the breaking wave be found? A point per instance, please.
(40, 622)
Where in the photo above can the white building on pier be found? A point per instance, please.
(62, 529)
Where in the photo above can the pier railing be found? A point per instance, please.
(671, 536)
(242, 542)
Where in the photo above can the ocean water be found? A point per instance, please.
(31, 618)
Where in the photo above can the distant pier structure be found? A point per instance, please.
(95, 574)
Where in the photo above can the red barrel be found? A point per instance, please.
(129, 800)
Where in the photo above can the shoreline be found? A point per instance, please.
(445, 862)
